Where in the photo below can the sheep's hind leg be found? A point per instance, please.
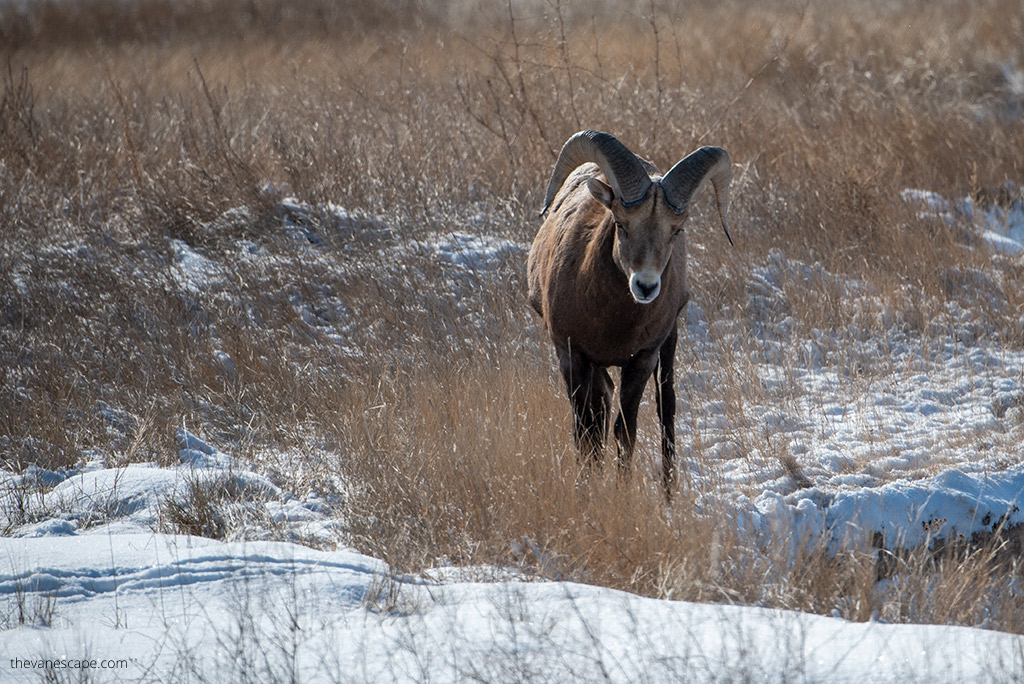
(588, 387)
(666, 395)
(634, 378)
(601, 394)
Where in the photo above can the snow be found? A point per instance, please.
(473, 252)
(193, 272)
(88, 572)
(912, 425)
(907, 513)
(1001, 227)
(92, 581)
(171, 605)
(885, 451)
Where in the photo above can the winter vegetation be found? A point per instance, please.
(275, 407)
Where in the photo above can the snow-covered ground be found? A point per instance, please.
(129, 604)
(1002, 228)
(154, 607)
(933, 447)
(86, 575)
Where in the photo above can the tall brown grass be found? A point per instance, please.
(424, 395)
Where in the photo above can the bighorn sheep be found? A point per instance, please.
(607, 274)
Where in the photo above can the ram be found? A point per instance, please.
(607, 274)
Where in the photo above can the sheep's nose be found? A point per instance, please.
(644, 292)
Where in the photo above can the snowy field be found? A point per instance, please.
(88, 587)
(177, 608)
(129, 604)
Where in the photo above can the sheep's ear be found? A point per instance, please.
(601, 191)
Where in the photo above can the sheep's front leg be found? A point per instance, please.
(634, 378)
(590, 389)
(666, 395)
(601, 400)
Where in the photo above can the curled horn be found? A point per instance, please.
(625, 172)
(685, 178)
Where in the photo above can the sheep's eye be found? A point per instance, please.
(621, 229)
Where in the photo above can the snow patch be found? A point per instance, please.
(261, 610)
(473, 252)
(1000, 225)
(193, 272)
(908, 514)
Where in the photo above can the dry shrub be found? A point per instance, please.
(219, 507)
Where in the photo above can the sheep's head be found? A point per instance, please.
(645, 236)
(649, 211)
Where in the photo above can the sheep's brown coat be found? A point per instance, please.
(581, 291)
(607, 273)
(583, 295)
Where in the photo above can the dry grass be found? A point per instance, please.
(133, 140)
